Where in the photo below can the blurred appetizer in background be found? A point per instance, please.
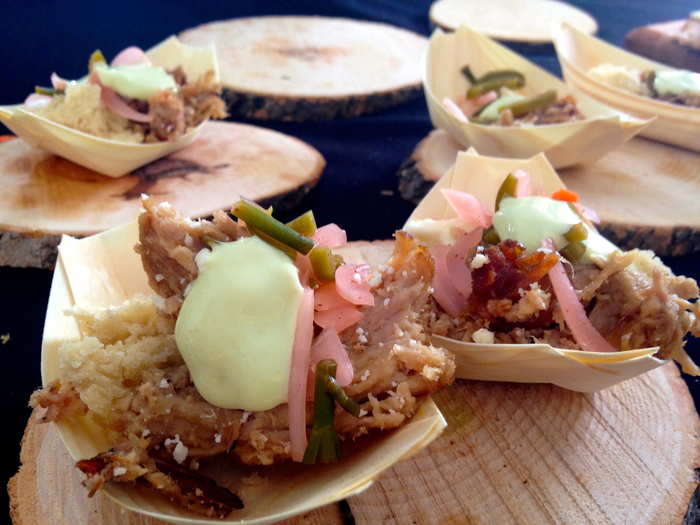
(130, 99)
(123, 115)
(491, 99)
(676, 43)
(504, 105)
(262, 346)
(675, 86)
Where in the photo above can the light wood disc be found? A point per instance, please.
(311, 67)
(45, 196)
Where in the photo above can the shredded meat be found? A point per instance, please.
(168, 246)
(155, 412)
(175, 112)
(563, 110)
(631, 298)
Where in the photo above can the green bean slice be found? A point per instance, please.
(258, 220)
(529, 104)
(491, 236)
(649, 79)
(577, 233)
(573, 251)
(508, 189)
(341, 397)
(305, 224)
(467, 72)
(324, 444)
(41, 90)
(494, 81)
(324, 263)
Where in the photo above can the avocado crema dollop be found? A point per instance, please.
(676, 81)
(236, 327)
(139, 81)
(530, 220)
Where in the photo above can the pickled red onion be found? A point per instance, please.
(351, 284)
(585, 334)
(330, 236)
(131, 56)
(444, 291)
(58, 83)
(524, 186)
(588, 213)
(327, 297)
(298, 375)
(466, 107)
(338, 318)
(328, 346)
(35, 100)
(457, 269)
(116, 104)
(454, 109)
(468, 207)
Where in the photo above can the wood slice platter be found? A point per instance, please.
(512, 453)
(45, 196)
(311, 67)
(645, 192)
(528, 22)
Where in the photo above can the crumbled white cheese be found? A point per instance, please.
(483, 336)
(431, 373)
(164, 206)
(217, 438)
(164, 383)
(202, 257)
(158, 277)
(478, 261)
(188, 239)
(365, 375)
(180, 451)
(119, 471)
(245, 416)
(362, 413)
(387, 301)
(375, 279)
(145, 433)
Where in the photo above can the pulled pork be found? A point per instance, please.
(563, 110)
(632, 298)
(175, 112)
(134, 383)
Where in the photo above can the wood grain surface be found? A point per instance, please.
(512, 453)
(312, 67)
(45, 196)
(528, 454)
(645, 192)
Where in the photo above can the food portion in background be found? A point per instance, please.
(491, 100)
(253, 320)
(130, 99)
(676, 43)
(675, 86)
(537, 271)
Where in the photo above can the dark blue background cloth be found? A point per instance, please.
(363, 154)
